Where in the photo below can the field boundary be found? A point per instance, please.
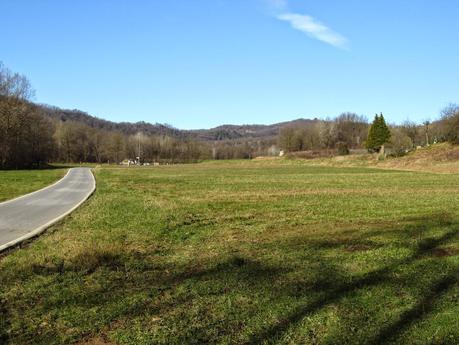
(42, 228)
(34, 192)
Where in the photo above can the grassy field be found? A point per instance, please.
(267, 252)
(19, 182)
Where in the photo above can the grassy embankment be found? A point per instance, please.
(14, 183)
(440, 158)
(243, 253)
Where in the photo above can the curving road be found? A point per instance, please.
(29, 215)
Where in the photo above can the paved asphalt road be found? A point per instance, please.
(31, 214)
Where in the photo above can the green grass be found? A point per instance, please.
(243, 253)
(14, 183)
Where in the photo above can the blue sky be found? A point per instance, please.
(202, 63)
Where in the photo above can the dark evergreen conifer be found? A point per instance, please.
(378, 135)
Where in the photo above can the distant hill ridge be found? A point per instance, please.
(223, 132)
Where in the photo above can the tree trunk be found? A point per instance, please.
(382, 153)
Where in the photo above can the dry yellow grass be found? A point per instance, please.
(438, 158)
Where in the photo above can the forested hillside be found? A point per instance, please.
(34, 134)
(64, 115)
(26, 136)
(224, 132)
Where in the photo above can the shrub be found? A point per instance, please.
(343, 150)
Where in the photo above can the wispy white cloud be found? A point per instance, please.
(306, 24)
(315, 29)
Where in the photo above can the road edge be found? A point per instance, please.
(42, 228)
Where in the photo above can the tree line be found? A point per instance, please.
(32, 135)
(350, 131)
(30, 139)
(25, 135)
(76, 142)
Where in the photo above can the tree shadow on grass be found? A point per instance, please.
(5, 321)
(423, 307)
(383, 275)
(125, 274)
(152, 286)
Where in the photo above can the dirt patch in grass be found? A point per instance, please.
(443, 252)
(357, 248)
